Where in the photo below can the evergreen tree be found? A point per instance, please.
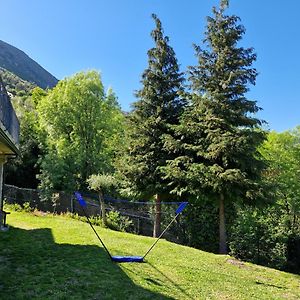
(158, 107)
(218, 136)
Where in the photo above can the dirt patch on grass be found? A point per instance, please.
(236, 262)
(39, 213)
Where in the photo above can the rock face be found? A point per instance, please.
(19, 63)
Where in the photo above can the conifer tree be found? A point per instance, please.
(218, 136)
(158, 107)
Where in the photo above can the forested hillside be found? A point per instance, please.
(15, 85)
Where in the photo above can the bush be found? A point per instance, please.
(95, 220)
(115, 221)
(26, 207)
(13, 207)
(17, 207)
(118, 222)
(258, 236)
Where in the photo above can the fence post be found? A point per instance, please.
(72, 204)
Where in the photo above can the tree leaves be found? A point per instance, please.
(82, 128)
(158, 107)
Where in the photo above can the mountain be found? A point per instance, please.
(20, 64)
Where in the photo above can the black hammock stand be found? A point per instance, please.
(120, 259)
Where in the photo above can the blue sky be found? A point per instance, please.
(113, 36)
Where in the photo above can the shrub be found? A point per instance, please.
(26, 207)
(258, 236)
(115, 221)
(13, 207)
(118, 222)
(17, 207)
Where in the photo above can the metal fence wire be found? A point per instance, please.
(141, 214)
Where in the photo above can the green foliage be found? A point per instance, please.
(282, 150)
(158, 107)
(22, 171)
(259, 236)
(101, 182)
(25, 207)
(95, 220)
(115, 221)
(118, 222)
(14, 85)
(217, 139)
(12, 206)
(78, 124)
(202, 225)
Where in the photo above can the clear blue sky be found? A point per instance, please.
(113, 36)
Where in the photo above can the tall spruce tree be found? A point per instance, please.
(218, 136)
(158, 107)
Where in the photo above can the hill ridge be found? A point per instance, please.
(19, 63)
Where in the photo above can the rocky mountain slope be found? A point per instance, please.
(20, 64)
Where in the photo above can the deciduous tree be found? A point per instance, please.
(77, 121)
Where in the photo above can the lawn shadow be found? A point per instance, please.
(270, 285)
(33, 266)
(181, 291)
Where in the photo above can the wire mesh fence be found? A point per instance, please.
(139, 216)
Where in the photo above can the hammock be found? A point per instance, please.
(121, 259)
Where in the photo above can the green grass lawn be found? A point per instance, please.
(54, 257)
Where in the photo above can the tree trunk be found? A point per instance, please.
(102, 208)
(157, 220)
(222, 226)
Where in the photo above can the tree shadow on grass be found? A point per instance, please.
(33, 266)
(180, 290)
